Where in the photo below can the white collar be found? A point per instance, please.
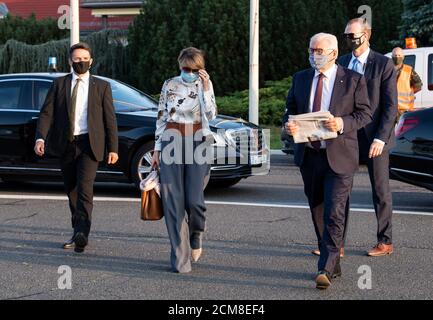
(363, 57)
(328, 73)
(84, 78)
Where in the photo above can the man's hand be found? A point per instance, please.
(155, 159)
(376, 149)
(40, 148)
(291, 128)
(334, 124)
(112, 158)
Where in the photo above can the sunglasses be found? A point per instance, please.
(352, 36)
(189, 70)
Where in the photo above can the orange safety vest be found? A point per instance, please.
(406, 96)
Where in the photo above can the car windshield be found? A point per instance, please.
(128, 99)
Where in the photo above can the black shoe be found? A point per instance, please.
(80, 242)
(69, 244)
(337, 272)
(323, 280)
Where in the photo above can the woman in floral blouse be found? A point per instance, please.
(182, 154)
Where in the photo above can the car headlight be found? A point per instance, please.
(219, 141)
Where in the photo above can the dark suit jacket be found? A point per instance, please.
(349, 101)
(381, 80)
(53, 123)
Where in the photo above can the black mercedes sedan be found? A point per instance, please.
(411, 161)
(22, 96)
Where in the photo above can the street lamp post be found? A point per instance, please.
(75, 21)
(254, 62)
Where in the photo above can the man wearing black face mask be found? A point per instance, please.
(77, 122)
(408, 82)
(376, 138)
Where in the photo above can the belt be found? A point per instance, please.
(320, 151)
(184, 128)
(81, 137)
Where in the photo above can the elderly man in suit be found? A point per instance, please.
(376, 138)
(77, 123)
(328, 167)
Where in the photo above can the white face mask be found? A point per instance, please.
(318, 62)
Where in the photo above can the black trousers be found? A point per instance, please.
(79, 168)
(378, 171)
(327, 193)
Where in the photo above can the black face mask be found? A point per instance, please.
(81, 67)
(354, 43)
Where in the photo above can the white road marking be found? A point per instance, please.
(244, 204)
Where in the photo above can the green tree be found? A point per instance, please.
(417, 21)
(221, 29)
(30, 30)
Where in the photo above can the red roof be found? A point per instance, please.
(48, 8)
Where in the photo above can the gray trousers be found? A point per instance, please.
(182, 186)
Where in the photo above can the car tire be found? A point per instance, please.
(226, 183)
(141, 162)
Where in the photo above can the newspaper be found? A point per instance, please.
(311, 127)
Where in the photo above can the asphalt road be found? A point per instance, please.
(257, 245)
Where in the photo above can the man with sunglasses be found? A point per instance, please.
(376, 138)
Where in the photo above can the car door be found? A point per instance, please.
(47, 162)
(16, 112)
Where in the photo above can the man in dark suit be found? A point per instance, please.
(327, 167)
(376, 138)
(77, 123)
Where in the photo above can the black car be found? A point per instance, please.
(411, 160)
(22, 96)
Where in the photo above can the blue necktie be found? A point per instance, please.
(356, 66)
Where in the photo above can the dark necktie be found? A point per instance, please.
(73, 107)
(317, 105)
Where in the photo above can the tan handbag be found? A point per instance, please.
(151, 204)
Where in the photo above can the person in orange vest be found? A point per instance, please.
(408, 82)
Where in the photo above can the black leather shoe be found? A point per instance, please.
(69, 244)
(323, 280)
(337, 272)
(80, 242)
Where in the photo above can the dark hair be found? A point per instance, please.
(80, 45)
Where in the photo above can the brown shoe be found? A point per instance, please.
(317, 252)
(381, 249)
(323, 280)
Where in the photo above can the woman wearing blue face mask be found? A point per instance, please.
(182, 137)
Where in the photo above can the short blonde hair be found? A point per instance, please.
(192, 58)
(366, 26)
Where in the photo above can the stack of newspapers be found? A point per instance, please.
(312, 128)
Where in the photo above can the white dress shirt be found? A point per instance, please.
(363, 65)
(82, 103)
(328, 88)
(362, 59)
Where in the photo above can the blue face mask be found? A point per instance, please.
(189, 77)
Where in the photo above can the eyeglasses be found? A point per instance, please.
(189, 70)
(352, 36)
(318, 51)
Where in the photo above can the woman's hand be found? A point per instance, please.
(205, 79)
(155, 160)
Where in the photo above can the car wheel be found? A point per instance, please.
(226, 183)
(141, 163)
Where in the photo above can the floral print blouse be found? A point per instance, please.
(180, 102)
